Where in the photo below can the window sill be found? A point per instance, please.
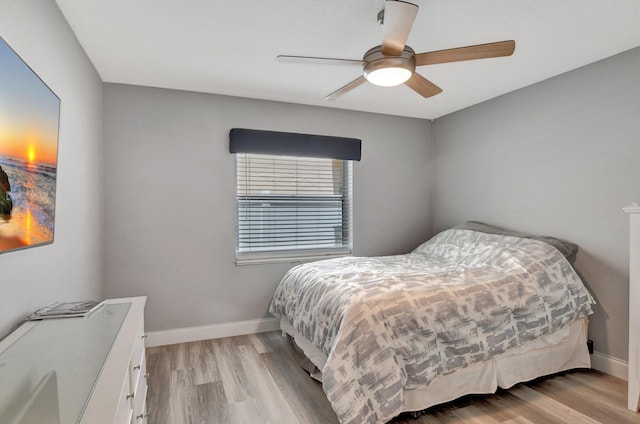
(290, 258)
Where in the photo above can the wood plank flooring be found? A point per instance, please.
(257, 379)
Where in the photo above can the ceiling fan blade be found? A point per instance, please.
(423, 86)
(397, 22)
(318, 60)
(342, 90)
(479, 51)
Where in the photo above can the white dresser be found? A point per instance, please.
(88, 370)
(634, 310)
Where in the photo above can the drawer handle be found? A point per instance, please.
(142, 416)
(130, 395)
(144, 336)
(137, 367)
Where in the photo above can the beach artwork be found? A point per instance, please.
(29, 118)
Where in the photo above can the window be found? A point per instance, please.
(293, 194)
(292, 207)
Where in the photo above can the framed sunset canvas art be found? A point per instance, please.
(29, 121)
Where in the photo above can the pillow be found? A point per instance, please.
(568, 249)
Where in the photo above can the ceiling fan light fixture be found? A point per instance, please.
(388, 71)
(388, 77)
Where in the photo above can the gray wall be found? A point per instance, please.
(70, 268)
(170, 197)
(560, 158)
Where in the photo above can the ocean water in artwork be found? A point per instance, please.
(33, 193)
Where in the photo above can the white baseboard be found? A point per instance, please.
(214, 331)
(609, 365)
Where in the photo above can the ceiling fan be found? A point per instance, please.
(393, 62)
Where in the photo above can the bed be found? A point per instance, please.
(470, 310)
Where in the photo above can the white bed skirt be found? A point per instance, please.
(563, 350)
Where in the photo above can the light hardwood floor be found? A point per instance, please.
(256, 379)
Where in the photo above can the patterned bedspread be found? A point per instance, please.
(396, 322)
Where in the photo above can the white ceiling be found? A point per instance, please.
(230, 47)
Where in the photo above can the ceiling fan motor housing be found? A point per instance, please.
(374, 61)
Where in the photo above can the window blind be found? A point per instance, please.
(292, 205)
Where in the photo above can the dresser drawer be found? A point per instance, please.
(137, 353)
(137, 371)
(140, 407)
(124, 411)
